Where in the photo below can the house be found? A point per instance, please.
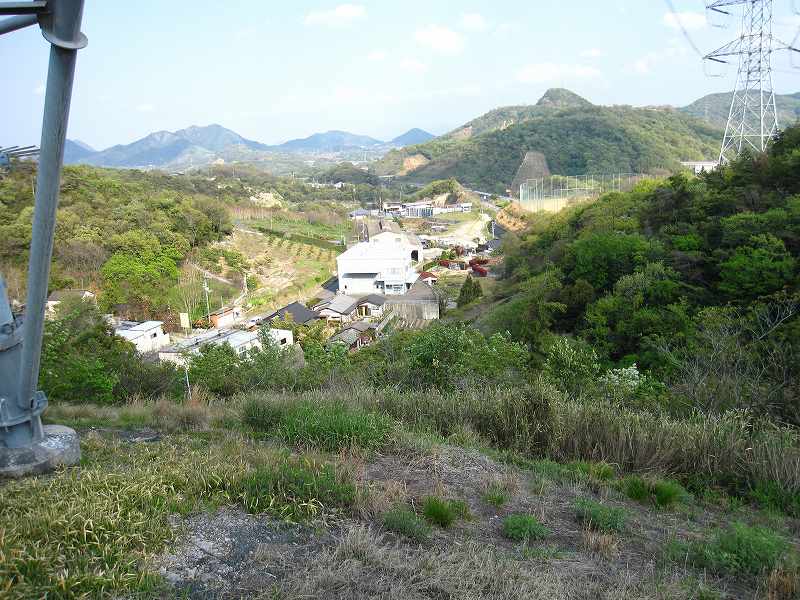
(54, 299)
(342, 309)
(240, 341)
(428, 277)
(225, 316)
(359, 213)
(375, 268)
(146, 337)
(355, 335)
(296, 312)
(371, 305)
(382, 231)
(700, 166)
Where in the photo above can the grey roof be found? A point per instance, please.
(360, 326)
(421, 290)
(300, 314)
(375, 299)
(348, 336)
(342, 304)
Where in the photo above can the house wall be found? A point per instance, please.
(332, 315)
(152, 340)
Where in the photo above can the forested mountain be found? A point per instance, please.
(574, 136)
(193, 145)
(692, 279)
(714, 109)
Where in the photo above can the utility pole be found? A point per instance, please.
(752, 118)
(25, 445)
(208, 306)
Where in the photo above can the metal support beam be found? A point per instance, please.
(21, 405)
(14, 23)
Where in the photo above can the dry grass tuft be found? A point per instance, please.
(603, 545)
(783, 584)
(379, 497)
(172, 417)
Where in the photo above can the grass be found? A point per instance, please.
(739, 548)
(599, 517)
(443, 512)
(325, 425)
(662, 493)
(524, 528)
(82, 532)
(403, 520)
(496, 495)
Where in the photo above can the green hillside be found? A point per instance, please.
(575, 140)
(714, 109)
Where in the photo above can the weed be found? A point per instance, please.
(598, 471)
(495, 495)
(598, 516)
(662, 493)
(405, 521)
(739, 548)
(440, 512)
(524, 528)
(547, 552)
(296, 489)
(604, 545)
(771, 496)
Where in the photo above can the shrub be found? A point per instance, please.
(599, 516)
(439, 511)
(599, 471)
(660, 492)
(524, 528)
(739, 548)
(405, 521)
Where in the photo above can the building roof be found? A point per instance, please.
(375, 299)
(422, 291)
(342, 304)
(223, 310)
(300, 314)
(348, 336)
(365, 250)
(360, 326)
(428, 275)
(233, 337)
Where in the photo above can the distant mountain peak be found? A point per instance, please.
(412, 137)
(562, 98)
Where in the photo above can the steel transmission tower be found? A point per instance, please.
(753, 119)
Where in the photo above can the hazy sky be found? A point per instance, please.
(274, 70)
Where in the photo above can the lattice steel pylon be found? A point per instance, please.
(753, 118)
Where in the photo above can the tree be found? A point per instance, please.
(470, 291)
(761, 267)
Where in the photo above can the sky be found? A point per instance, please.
(273, 71)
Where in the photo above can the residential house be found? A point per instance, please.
(341, 309)
(146, 337)
(295, 311)
(240, 341)
(428, 277)
(54, 299)
(355, 335)
(226, 316)
(420, 304)
(371, 305)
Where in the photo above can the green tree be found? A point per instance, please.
(761, 267)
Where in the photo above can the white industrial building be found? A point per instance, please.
(147, 337)
(375, 267)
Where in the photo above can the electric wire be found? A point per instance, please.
(678, 20)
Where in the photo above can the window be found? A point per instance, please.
(283, 341)
(154, 335)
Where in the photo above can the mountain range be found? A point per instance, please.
(565, 134)
(196, 146)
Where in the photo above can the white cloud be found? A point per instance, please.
(550, 72)
(440, 39)
(413, 65)
(39, 89)
(344, 14)
(792, 21)
(146, 107)
(690, 20)
(376, 55)
(473, 22)
(592, 53)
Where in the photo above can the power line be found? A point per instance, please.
(678, 20)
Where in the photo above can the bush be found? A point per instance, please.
(496, 495)
(599, 516)
(440, 512)
(405, 521)
(739, 548)
(524, 528)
